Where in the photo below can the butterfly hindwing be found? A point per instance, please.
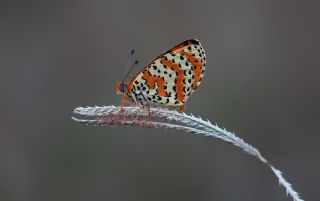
(173, 76)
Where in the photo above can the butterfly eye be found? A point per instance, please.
(122, 87)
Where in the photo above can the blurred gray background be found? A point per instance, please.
(262, 81)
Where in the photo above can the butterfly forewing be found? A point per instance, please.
(172, 77)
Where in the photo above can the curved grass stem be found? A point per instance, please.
(173, 120)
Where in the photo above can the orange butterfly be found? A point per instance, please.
(169, 79)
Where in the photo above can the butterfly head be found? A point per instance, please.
(121, 87)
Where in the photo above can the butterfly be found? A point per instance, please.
(168, 80)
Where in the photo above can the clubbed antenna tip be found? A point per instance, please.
(132, 52)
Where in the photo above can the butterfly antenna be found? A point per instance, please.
(128, 70)
(129, 62)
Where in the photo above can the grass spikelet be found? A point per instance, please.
(176, 121)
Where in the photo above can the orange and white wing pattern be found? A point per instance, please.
(171, 77)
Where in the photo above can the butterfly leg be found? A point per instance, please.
(120, 114)
(146, 107)
(122, 104)
(149, 117)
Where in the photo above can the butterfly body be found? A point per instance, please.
(169, 79)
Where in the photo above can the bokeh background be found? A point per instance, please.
(262, 81)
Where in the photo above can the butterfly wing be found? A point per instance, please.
(171, 77)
